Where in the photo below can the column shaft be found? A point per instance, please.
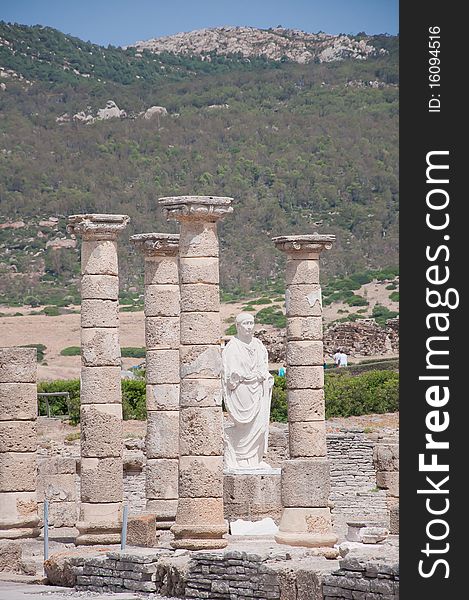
(101, 490)
(18, 443)
(200, 519)
(162, 316)
(306, 519)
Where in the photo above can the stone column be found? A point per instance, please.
(100, 391)
(18, 443)
(200, 520)
(162, 314)
(306, 518)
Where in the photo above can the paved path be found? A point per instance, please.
(23, 591)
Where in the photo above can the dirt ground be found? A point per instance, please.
(57, 333)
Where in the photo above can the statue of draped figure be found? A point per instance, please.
(247, 393)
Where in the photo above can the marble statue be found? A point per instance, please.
(247, 393)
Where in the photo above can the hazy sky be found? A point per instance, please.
(121, 22)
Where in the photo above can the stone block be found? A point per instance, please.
(99, 257)
(162, 300)
(164, 510)
(18, 472)
(200, 297)
(161, 270)
(55, 487)
(18, 507)
(101, 480)
(162, 366)
(99, 287)
(200, 362)
(56, 465)
(162, 332)
(11, 557)
(201, 393)
(307, 439)
(394, 518)
(100, 347)
(304, 328)
(201, 476)
(199, 328)
(99, 313)
(200, 511)
(101, 430)
(252, 496)
(18, 365)
(100, 513)
(302, 272)
(388, 480)
(199, 239)
(18, 401)
(18, 436)
(162, 396)
(162, 478)
(302, 301)
(198, 270)
(305, 353)
(162, 439)
(61, 514)
(306, 405)
(308, 520)
(386, 457)
(100, 385)
(141, 531)
(306, 483)
(201, 431)
(305, 377)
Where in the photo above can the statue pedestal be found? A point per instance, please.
(252, 494)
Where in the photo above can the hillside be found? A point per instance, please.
(300, 147)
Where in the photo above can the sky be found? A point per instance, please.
(121, 22)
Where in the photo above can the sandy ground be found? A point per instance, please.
(57, 333)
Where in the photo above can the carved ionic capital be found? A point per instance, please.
(313, 243)
(97, 226)
(196, 208)
(156, 244)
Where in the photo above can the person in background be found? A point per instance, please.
(336, 357)
(343, 362)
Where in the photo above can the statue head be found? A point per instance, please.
(245, 326)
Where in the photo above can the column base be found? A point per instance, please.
(199, 537)
(309, 527)
(99, 524)
(16, 533)
(164, 511)
(22, 515)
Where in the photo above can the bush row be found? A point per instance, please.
(346, 395)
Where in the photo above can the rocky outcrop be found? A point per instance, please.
(274, 44)
(155, 111)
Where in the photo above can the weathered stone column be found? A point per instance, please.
(162, 314)
(101, 401)
(18, 443)
(200, 520)
(306, 518)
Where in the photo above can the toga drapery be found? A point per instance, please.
(247, 392)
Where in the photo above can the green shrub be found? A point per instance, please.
(231, 330)
(134, 399)
(381, 314)
(278, 408)
(271, 316)
(394, 296)
(59, 404)
(391, 286)
(51, 311)
(70, 351)
(370, 392)
(260, 301)
(356, 301)
(133, 352)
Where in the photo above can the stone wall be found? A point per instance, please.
(363, 579)
(359, 338)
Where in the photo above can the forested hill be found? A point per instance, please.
(300, 148)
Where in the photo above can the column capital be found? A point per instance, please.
(97, 226)
(196, 208)
(313, 243)
(156, 244)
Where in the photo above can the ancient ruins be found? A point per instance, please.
(326, 496)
